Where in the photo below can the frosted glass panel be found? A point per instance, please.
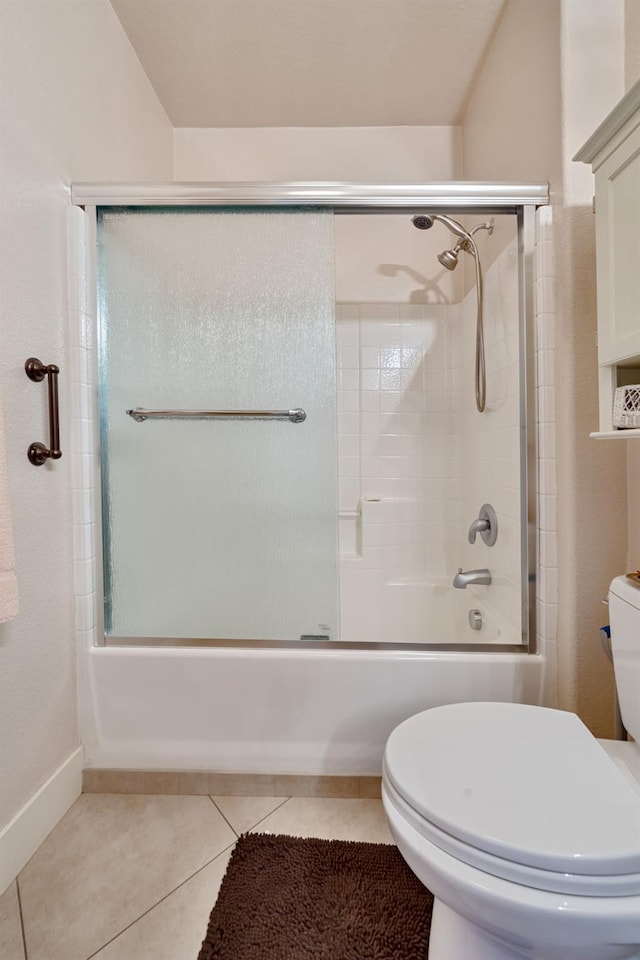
(218, 528)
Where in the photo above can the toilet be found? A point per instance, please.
(525, 828)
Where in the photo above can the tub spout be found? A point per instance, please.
(462, 578)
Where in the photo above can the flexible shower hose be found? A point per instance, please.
(481, 373)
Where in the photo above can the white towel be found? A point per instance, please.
(8, 582)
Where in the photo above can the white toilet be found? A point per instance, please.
(525, 828)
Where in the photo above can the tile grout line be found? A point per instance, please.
(222, 815)
(283, 800)
(24, 938)
(161, 900)
(280, 805)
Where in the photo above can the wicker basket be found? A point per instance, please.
(626, 407)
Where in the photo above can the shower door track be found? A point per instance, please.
(466, 197)
(481, 197)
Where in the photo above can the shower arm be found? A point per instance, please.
(487, 225)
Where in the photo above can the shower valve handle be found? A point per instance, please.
(478, 526)
(486, 525)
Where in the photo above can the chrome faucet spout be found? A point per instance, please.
(463, 578)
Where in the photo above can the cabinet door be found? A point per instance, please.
(618, 250)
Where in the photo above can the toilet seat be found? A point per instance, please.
(564, 883)
(523, 793)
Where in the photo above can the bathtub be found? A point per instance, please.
(302, 711)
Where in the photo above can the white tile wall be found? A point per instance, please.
(394, 433)
(396, 489)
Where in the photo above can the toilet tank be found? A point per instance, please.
(624, 618)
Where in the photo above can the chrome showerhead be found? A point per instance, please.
(422, 221)
(449, 258)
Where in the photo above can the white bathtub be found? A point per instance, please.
(277, 710)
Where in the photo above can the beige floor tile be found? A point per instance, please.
(109, 860)
(11, 947)
(175, 929)
(243, 813)
(329, 819)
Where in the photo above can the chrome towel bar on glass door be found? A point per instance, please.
(140, 415)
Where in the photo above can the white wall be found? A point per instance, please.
(75, 105)
(378, 259)
(369, 154)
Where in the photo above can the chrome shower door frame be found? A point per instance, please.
(483, 198)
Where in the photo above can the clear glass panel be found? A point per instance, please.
(218, 528)
(421, 461)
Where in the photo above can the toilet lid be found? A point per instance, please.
(527, 784)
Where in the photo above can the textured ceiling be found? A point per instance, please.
(245, 63)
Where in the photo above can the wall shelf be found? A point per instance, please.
(616, 434)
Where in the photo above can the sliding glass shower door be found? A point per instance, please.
(217, 394)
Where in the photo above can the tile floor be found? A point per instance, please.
(127, 877)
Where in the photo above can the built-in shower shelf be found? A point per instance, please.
(616, 434)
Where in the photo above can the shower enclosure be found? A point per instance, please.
(291, 479)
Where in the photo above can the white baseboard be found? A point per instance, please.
(22, 836)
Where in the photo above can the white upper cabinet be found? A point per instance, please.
(614, 153)
(618, 250)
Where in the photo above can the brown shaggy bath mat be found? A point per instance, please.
(286, 898)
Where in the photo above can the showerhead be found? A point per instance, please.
(449, 258)
(422, 221)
